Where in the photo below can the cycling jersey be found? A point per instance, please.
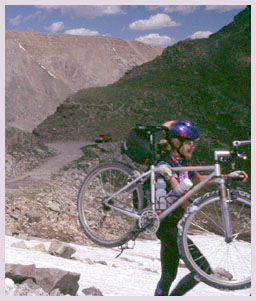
(170, 222)
(174, 162)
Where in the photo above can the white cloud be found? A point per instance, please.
(82, 32)
(55, 27)
(15, 21)
(85, 11)
(224, 8)
(200, 35)
(48, 8)
(154, 22)
(32, 16)
(181, 9)
(156, 40)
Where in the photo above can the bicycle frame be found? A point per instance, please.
(117, 202)
(215, 173)
(151, 173)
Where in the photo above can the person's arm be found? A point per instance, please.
(165, 171)
(199, 178)
(174, 183)
(168, 124)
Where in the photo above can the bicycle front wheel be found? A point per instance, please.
(202, 246)
(104, 225)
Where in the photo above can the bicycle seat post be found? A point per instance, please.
(152, 176)
(152, 146)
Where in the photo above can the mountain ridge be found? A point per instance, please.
(43, 69)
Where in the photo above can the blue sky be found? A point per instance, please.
(153, 24)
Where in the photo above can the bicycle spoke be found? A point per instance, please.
(102, 223)
(230, 262)
(211, 220)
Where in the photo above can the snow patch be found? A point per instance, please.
(21, 47)
(52, 75)
(135, 273)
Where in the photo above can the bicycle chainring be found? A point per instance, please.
(150, 221)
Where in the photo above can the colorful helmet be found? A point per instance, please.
(184, 129)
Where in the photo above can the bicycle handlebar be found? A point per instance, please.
(152, 128)
(239, 143)
(233, 154)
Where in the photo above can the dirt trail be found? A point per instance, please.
(68, 152)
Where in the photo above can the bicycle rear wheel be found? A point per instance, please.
(104, 225)
(223, 265)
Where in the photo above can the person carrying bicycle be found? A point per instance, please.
(177, 150)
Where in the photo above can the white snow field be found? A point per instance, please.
(135, 273)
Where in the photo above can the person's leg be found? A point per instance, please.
(184, 285)
(169, 264)
(188, 282)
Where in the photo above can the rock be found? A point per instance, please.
(19, 244)
(33, 216)
(115, 266)
(31, 284)
(88, 261)
(19, 272)
(40, 247)
(101, 262)
(30, 232)
(58, 248)
(54, 207)
(222, 273)
(10, 287)
(22, 236)
(51, 279)
(28, 288)
(15, 216)
(92, 291)
(56, 292)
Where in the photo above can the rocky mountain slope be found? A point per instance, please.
(43, 69)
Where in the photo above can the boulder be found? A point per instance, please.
(92, 291)
(39, 247)
(19, 244)
(60, 249)
(19, 273)
(51, 279)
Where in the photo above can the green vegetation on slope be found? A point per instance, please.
(206, 81)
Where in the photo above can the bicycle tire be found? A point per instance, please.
(103, 225)
(202, 224)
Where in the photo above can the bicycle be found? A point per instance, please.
(219, 221)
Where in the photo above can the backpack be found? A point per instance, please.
(137, 146)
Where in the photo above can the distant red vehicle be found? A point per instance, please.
(103, 138)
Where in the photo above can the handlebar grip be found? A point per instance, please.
(239, 143)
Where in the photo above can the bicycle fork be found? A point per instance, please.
(225, 213)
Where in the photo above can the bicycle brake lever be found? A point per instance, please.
(242, 156)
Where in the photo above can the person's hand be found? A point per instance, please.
(164, 170)
(238, 174)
